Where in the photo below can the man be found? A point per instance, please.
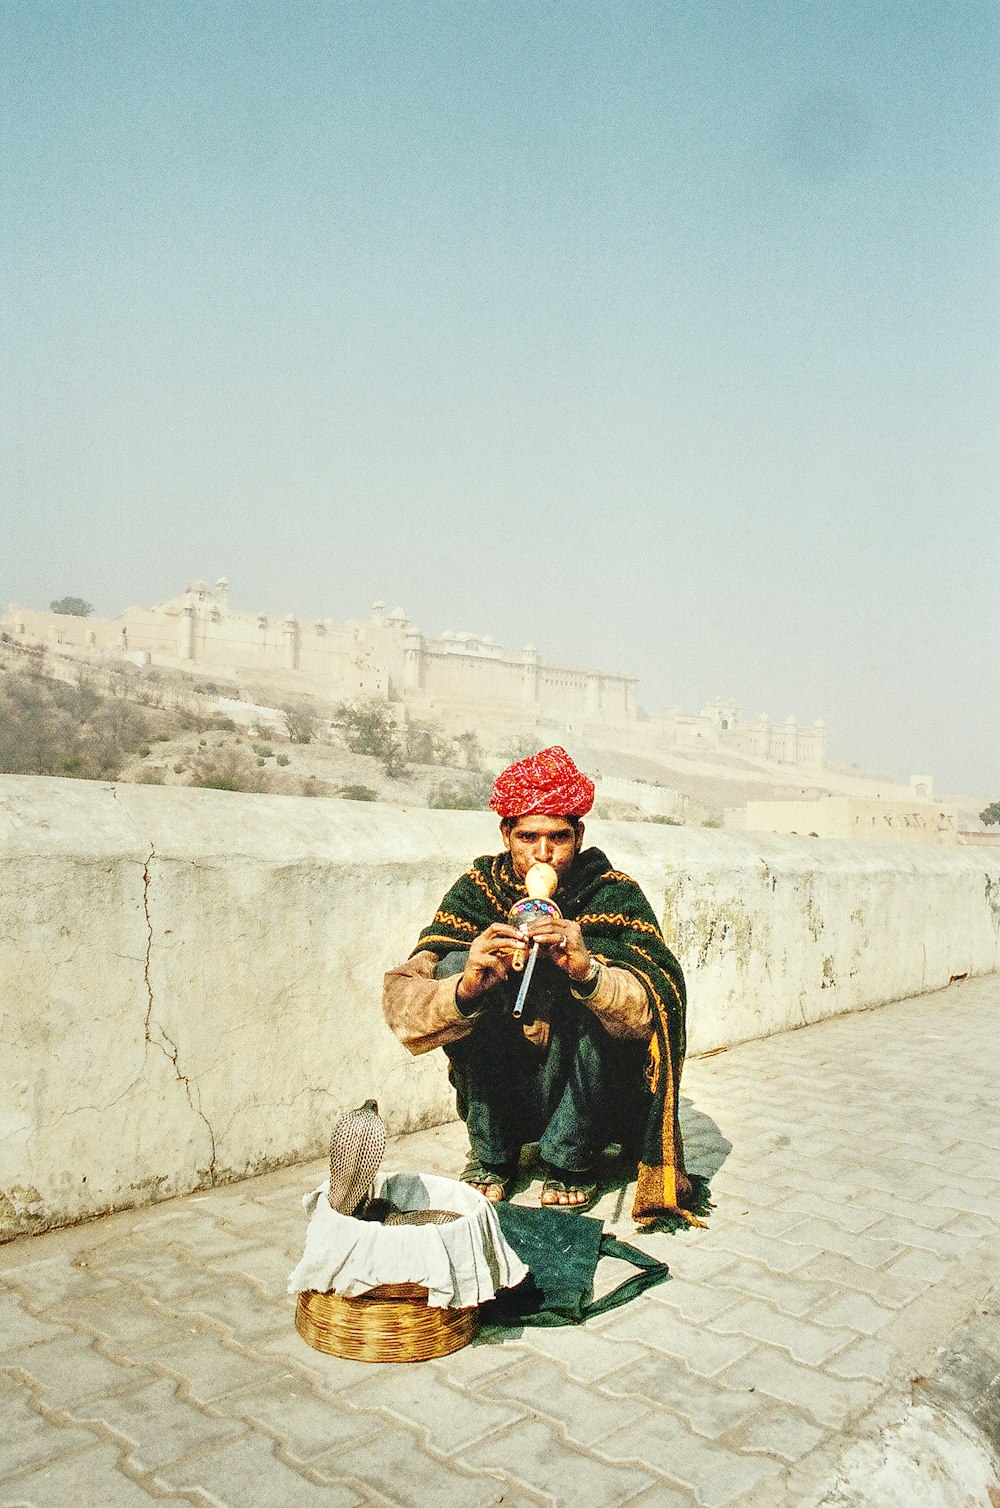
(596, 1057)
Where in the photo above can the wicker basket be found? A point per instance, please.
(393, 1322)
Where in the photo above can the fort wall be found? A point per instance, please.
(455, 677)
(190, 980)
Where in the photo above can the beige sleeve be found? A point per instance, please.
(420, 1009)
(621, 1004)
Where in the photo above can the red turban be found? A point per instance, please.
(548, 783)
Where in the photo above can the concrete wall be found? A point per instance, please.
(854, 817)
(190, 980)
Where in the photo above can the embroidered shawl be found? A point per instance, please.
(620, 929)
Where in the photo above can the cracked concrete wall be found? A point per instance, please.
(190, 981)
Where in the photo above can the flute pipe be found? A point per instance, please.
(525, 981)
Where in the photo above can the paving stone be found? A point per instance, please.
(822, 1148)
(660, 1496)
(705, 1352)
(926, 1212)
(865, 1358)
(845, 1216)
(762, 1220)
(922, 1266)
(829, 1399)
(707, 1407)
(208, 1368)
(909, 1179)
(159, 1273)
(493, 1352)
(856, 1311)
(533, 1455)
(19, 1328)
(887, 1286)
(69, 1370)
(715, 1476)
(26, 1438)
(965, 1197)
(51, 1281)
(123, 1320)
(804, 1341)
(777, 1432)
(242, 1309)
(773, 1252)
(447, 1417)
(542, 1387)
(153, 1424)
(696, 1302)
(266, 1266)
(689, 1256)
(249, 1471)
(304, 1423)
(779, 1172)
(907, 1233)
(244, 1215)
(581, 1350)
(972, 1225)
(196, 1234)
(288, 1193)
(963, 1156)
(394, 1466)
(804, 1180)
(285, 1231)
(820, 1235)
(790, 1295)
(85, 1479)
(331, 1374)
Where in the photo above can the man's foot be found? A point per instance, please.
(493, 1183)
(563, 1190)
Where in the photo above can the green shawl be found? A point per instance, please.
(619, 928)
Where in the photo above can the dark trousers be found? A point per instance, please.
(575, 1097)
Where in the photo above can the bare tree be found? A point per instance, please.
(300, 720)
(470, 749)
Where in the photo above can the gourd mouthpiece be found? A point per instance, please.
(540, 882)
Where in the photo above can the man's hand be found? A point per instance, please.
(563, 943)
(489, 960)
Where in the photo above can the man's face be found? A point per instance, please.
(542, 840)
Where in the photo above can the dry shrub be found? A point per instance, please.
(50, 728)
(228, 767)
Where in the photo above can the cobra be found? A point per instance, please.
(357, 1146)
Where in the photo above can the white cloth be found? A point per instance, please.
(462, 1263)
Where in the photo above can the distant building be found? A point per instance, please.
(722, 725)
(876, 820)
(456, 677)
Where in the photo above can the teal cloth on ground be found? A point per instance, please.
(561, 1252)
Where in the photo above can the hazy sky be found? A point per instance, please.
(664, 336)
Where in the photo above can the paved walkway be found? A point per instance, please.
(150, 1356)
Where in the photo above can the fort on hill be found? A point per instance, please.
(456, 677)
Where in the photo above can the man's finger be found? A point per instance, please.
(495, 953)
(548, 929)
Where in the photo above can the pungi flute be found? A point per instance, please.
(540, 881)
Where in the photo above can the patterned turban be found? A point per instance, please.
(548, 782)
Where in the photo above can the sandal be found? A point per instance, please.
(493, 1183)
(559, 1181)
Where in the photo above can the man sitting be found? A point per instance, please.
(596, 1057)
